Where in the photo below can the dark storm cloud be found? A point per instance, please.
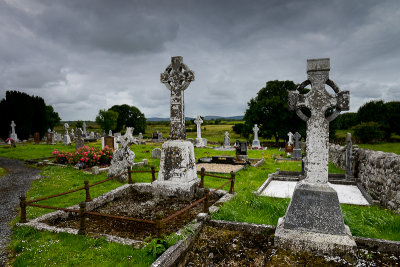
(82, 56)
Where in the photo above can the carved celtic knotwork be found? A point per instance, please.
(177, 76)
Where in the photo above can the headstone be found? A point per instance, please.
(104, 133)
(296, 150)
(290, 135)
(288, 148)
(349, 154)
(256, 142)
(79, 140)
(72, 134)
(13, 135)
(241, 150)
(102, 142)
(49, 137)
(177, 174)
(314, 220)
(156, 153)
(109, 141)
(110, 133)
(36, 137)
(123, 157)
(91, 136)
(227, 140)
(198, 142)
(154, 135)
(84, 129)
(67, 138)
(140, 138)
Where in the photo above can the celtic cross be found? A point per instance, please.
(297, 137)
(255, 131)
(13, 127)
(177, 77)
(198, 121)
(318, 100)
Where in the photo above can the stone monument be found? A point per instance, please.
(256, 142)
(241, 150)
(296, 155)
(13, 134)
(79, 140)
(84, 129)
(123, 157)
(36, 138)
(290, 135)
(227, 140)
(67, 138)
(177, 174)
(199, 142)
(349, 154)
(314, 220)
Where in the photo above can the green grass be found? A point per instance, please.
(36, 248)
(385, 147)
(30, 151)
(33, 247)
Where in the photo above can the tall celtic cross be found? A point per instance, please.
(198, 121)
(177, 77)
(318, 101)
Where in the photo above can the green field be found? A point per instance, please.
(31, 247)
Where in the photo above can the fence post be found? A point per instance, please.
(206, 203)
(202, 174)
(22, 204)
(82, 210)
(232, 189)
(88, 198)
(129, 176)
(153, 174)
(159, 223)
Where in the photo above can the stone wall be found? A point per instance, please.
(378, 171)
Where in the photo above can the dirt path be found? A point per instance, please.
(16, 182)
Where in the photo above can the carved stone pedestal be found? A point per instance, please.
(177, 176)
(314, 222)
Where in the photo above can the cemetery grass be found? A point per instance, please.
(30, 151)
(385, 147)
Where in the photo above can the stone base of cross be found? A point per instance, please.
(256, 144)
(177, 176)
(200, 142)
(313, 221)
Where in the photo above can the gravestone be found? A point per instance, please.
(67, 138)
(79, 140)
(290, 135)
(288, 148)
(177, 175)
(13, 135)
(156, 153)
(49, 137)
(199, 142)
(241, 150)
(314, 220)
(296, 150)
(72, 135)
(227, 140)
(349, 154)
(110, 133)
(36, 138)
(140, 138)
(109, 141)
(123, 158)
(91, 136)
(84, 129)
(256, 142)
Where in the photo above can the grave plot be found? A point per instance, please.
(225, 164)
(135, 205)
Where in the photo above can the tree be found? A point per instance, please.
(375, 111)
(393, 116)
(107, 119)
(30, 114)
(129, 116)
(269, 109)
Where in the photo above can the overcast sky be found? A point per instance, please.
(82, 56)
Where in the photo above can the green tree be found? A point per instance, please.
(375, 111)
(269, 109)
(369, 132)
(393, 116)
(30, 114)
(129, 116)
(107, 119)
(79, 124)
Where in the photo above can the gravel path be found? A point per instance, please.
(16, 182)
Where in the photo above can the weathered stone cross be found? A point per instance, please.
(255, 130)
(177, 77)
(13, 127)
(198, 122)
(318, 100)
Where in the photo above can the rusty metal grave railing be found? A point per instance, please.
(159, 223)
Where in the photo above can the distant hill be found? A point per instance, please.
(212, 117)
